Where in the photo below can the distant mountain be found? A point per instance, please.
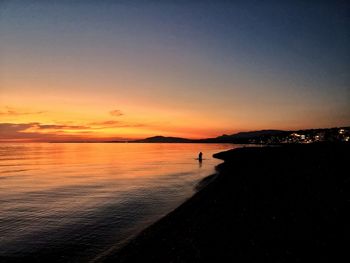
(251, 134)
(241, 137)
(162, 139)
(270, 136)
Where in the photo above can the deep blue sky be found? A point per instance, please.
(232, 65)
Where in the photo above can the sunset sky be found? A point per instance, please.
(110, 70)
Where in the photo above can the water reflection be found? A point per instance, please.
(78, 199)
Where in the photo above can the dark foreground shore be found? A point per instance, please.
(273, 204)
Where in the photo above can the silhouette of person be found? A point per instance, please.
(200, 156)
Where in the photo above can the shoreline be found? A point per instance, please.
(111, 252)
(269, 203)
(120, 246)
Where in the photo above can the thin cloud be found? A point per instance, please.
(32, 128)
(61, 127)
(35, 131)
(116, 113)
(6, 128)
(13, 112)
(23, 131)
(115, 124)
(108, 123)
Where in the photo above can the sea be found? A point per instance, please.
(75, 202)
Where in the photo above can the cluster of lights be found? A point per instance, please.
(309, 137)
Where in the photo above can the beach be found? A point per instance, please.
(265, 204)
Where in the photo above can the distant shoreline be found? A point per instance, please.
(264, 204)
(265, 137)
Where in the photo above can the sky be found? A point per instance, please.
(116, 70)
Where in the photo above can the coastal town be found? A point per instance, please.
(306, 136)
(270, 137)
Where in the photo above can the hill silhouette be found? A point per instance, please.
(274, 136)
(241, 136)
(162, 139)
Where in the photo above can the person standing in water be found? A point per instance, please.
(200, 156)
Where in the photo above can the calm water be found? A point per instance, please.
(71, 202)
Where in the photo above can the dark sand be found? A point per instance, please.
(275, 204)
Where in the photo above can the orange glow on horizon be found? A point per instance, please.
(102, 122)
(32, 124)
(77, 71)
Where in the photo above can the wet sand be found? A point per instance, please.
(269, 204)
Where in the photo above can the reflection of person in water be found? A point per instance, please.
(200, 156)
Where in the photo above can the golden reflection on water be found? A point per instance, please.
(50, 186)
(41, 166)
